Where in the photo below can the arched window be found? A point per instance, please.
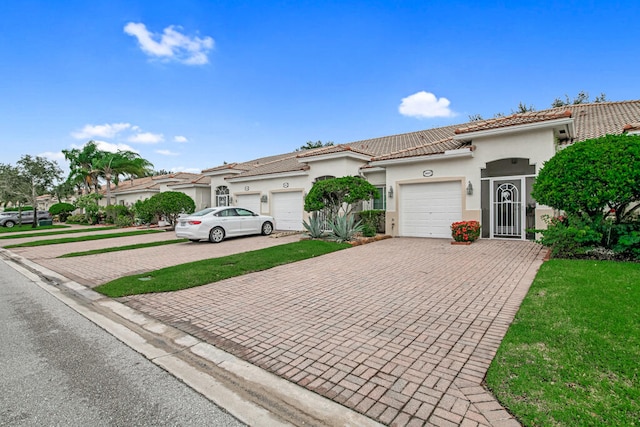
(322, 178)
(222, 196)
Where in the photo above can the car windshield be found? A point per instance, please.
(203, 212)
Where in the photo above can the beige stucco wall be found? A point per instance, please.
(132, 198)
(537, 145)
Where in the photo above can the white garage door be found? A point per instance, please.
(249, 201)
(287, 210)
(428, 209)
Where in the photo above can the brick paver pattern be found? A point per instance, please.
(402, 330)
(94, 270)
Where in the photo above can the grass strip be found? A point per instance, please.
(123, 248)
(55, 233)
(81, 238)
(28, 227)
(199, 273)
(570, 358)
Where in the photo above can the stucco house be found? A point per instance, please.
(481, 170)
(194, 185)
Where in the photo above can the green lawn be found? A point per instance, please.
(123, 248)
(572, 355)
(27, 227)
(9, 235)
(81, 238)
(198, 273)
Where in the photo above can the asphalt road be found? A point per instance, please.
(58, 368)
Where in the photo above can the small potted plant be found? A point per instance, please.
(465, 232)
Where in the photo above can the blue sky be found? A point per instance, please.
(189, 84)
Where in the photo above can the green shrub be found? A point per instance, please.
(344, 228)
(112, 213)
(124, 221)
(314, 227)
(373, 219)
(569, 237)
(77, 219)
(62, 210)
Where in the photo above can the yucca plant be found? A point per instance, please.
(314, 227)
(344, 228)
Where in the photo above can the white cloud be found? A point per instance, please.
(113, 148)
(425, 105)
(179, 138)
(171, 44)
(146, 138)
(102, 131)
(167, 153)
(58, 157)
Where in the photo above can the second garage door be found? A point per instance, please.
(249, 201)
(287, 209)
(428, 209)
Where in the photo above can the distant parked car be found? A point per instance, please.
(10, 219)
(215, 224)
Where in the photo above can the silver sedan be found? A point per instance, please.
(215, 224)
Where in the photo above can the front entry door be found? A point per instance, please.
(507, 206)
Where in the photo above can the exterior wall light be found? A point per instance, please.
(469, 188)
(264, 198)
(390, 193)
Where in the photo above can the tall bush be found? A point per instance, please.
(62, 210)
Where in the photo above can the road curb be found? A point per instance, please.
(254, 396)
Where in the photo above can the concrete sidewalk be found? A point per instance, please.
(401, 330)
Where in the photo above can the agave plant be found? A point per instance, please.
(314, 227)
(344, 228)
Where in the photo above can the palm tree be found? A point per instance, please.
(111, 166)
(80, 163)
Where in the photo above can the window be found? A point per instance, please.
(243, 212)
(381, 202)
(222, 196)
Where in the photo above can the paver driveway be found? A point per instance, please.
(401, 330)
(94, 270)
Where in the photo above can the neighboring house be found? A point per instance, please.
(482, 170)
(196, 186)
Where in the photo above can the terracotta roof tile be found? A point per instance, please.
(514, 120)
(590, 121)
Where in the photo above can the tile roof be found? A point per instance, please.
(395, 143)
(513, 120)
(283, 165)
(152, 183)
(590, 121)
(603, 118)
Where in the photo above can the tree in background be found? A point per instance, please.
(37, 177)
(311, 145)
(111, 166)
(10, 184)
(168, 205)
(81, 167)
(581, 98)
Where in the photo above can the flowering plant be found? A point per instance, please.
(465, 231)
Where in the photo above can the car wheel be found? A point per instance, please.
(216, 235)
(9, 224)
(267, 228)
